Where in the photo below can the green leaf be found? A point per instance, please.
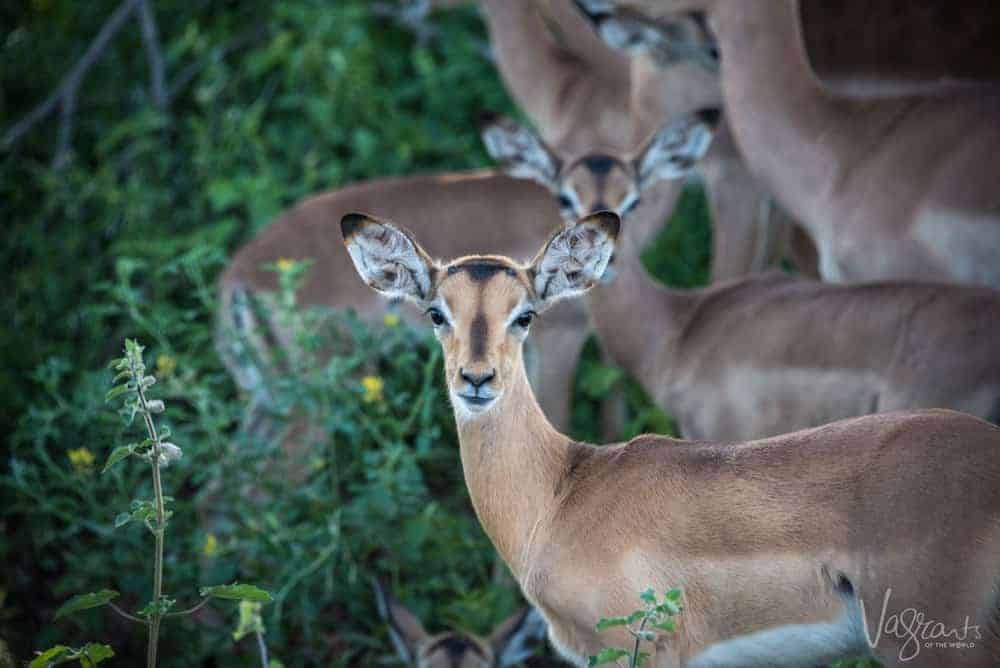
(674, 595)
(608, 622)
(648, 596)
(50, 657)
(153, 607)
(85, 601)
(668, 608)
(641, 658)
(118, 454)
(668, 625)
(121, 519)
(116, 392)
(606, 655)
(96, 653)
(237, 592)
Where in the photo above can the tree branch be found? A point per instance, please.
(65, 95)
(154, 54)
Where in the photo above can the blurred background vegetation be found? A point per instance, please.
(268, 102)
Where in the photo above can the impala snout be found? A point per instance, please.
(476, 390)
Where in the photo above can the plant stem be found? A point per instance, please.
(635, 649)
(191, 610)
(154, 619)
(126, 615)
(262, 647)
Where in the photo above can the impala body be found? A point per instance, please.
(771, 353)
(888, 189)
(792, 551)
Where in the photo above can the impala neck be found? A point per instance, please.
(779, 113)
(512, 458)
(573, 88)
(639, 322)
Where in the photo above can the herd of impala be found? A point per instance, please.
(830, 499)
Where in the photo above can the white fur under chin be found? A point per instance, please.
(463, 413)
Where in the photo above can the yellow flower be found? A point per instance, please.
(81, 458)
(211, 546)
(165, 365)
(284, 264)
(373, 388)
(390, 320)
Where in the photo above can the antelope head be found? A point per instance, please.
(481, 306)
(668, 31)
(512, 641)
(597, 181)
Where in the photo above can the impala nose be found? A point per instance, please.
(477, 380)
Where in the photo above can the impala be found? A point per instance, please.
(463, 211)
(578, 93)
(511, 642)
(887, 189)
(787, 549)
(771, 353)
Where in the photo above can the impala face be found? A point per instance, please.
(668, 31)
(481, 306)
(599, 181)
(511, 642)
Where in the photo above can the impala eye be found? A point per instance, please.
(565, 202)
(437, 318)
(524, 320)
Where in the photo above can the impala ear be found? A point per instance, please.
(519, 151)
(405, 630)
(675, 148)
(388, 259)
(518, 637)
(575, 258)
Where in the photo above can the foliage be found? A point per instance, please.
(272, 101)
(133, 385)
(654, 614)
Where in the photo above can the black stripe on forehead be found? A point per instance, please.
(599, 164)
(482, 269)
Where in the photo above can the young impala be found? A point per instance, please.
(792, 551)
(511, 642)
(769, 353)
